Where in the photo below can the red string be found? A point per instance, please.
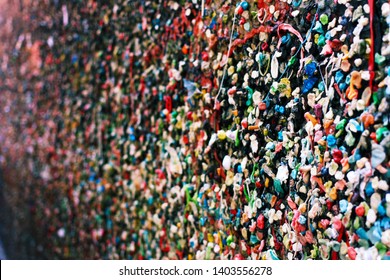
(371, 65)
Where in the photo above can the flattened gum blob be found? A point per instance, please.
(355, 83)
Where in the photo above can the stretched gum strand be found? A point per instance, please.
(309, 117)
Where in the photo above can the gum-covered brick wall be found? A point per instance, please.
(200, 129)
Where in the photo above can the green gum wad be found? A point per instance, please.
(321, 41)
